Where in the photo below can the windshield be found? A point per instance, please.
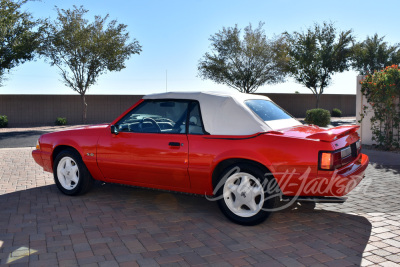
(267, 110)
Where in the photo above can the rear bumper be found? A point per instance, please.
(335, 184)
(344, 180)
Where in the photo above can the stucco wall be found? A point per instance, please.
(365, 126)
(44, 109)
(34, 110)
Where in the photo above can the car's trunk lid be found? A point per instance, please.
(317, 133)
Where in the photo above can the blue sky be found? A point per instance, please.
(174, 36)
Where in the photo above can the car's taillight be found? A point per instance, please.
(326, 160)
(331, 160)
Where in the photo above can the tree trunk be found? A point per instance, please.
(84, 108)
(317, 96)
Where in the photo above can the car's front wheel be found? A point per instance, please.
(242, 196)
(70, 173)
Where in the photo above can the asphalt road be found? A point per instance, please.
(19, 139)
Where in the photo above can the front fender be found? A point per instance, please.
(85, 143)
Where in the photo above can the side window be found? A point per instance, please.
(156, 116)
(195, 120)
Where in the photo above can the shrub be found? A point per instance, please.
(3, 121)
(336, 112)
(382, 91)
(61, 121)
(318, 116)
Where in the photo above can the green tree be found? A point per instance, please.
(243, 63)
(317, 54)
(82, 51)
(374, 54)
(18, 37)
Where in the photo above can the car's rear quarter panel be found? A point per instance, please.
(284, 157)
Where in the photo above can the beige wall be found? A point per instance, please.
(44, 109)
(365, 131)
(34, 110)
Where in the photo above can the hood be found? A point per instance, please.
(82, 130)
(317, 133)
(88, 127)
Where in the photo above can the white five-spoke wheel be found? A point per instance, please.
(241, 194)
(70, 173)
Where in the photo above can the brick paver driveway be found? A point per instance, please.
(114, 225)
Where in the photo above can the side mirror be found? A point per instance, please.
(114, 129)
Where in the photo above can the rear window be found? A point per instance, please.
(267, 110)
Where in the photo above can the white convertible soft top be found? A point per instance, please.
(226, 113)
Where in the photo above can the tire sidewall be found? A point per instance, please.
(269, 202)
(81, 168)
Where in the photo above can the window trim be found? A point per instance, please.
(145, 101)
(188, 101)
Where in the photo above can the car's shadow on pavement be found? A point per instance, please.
(118, 224)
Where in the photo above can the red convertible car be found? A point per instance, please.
(241, 149)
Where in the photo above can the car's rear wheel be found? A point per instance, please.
(70, 173)
(242, 197)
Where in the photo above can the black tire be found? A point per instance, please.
(263, 202)
(73, 180)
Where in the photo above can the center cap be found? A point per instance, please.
(243, 194)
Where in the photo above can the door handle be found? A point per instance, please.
(174, 144)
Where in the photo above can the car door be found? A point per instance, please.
(150, 148)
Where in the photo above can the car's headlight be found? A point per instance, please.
(37, 145)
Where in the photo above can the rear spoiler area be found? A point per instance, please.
(334, 133)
